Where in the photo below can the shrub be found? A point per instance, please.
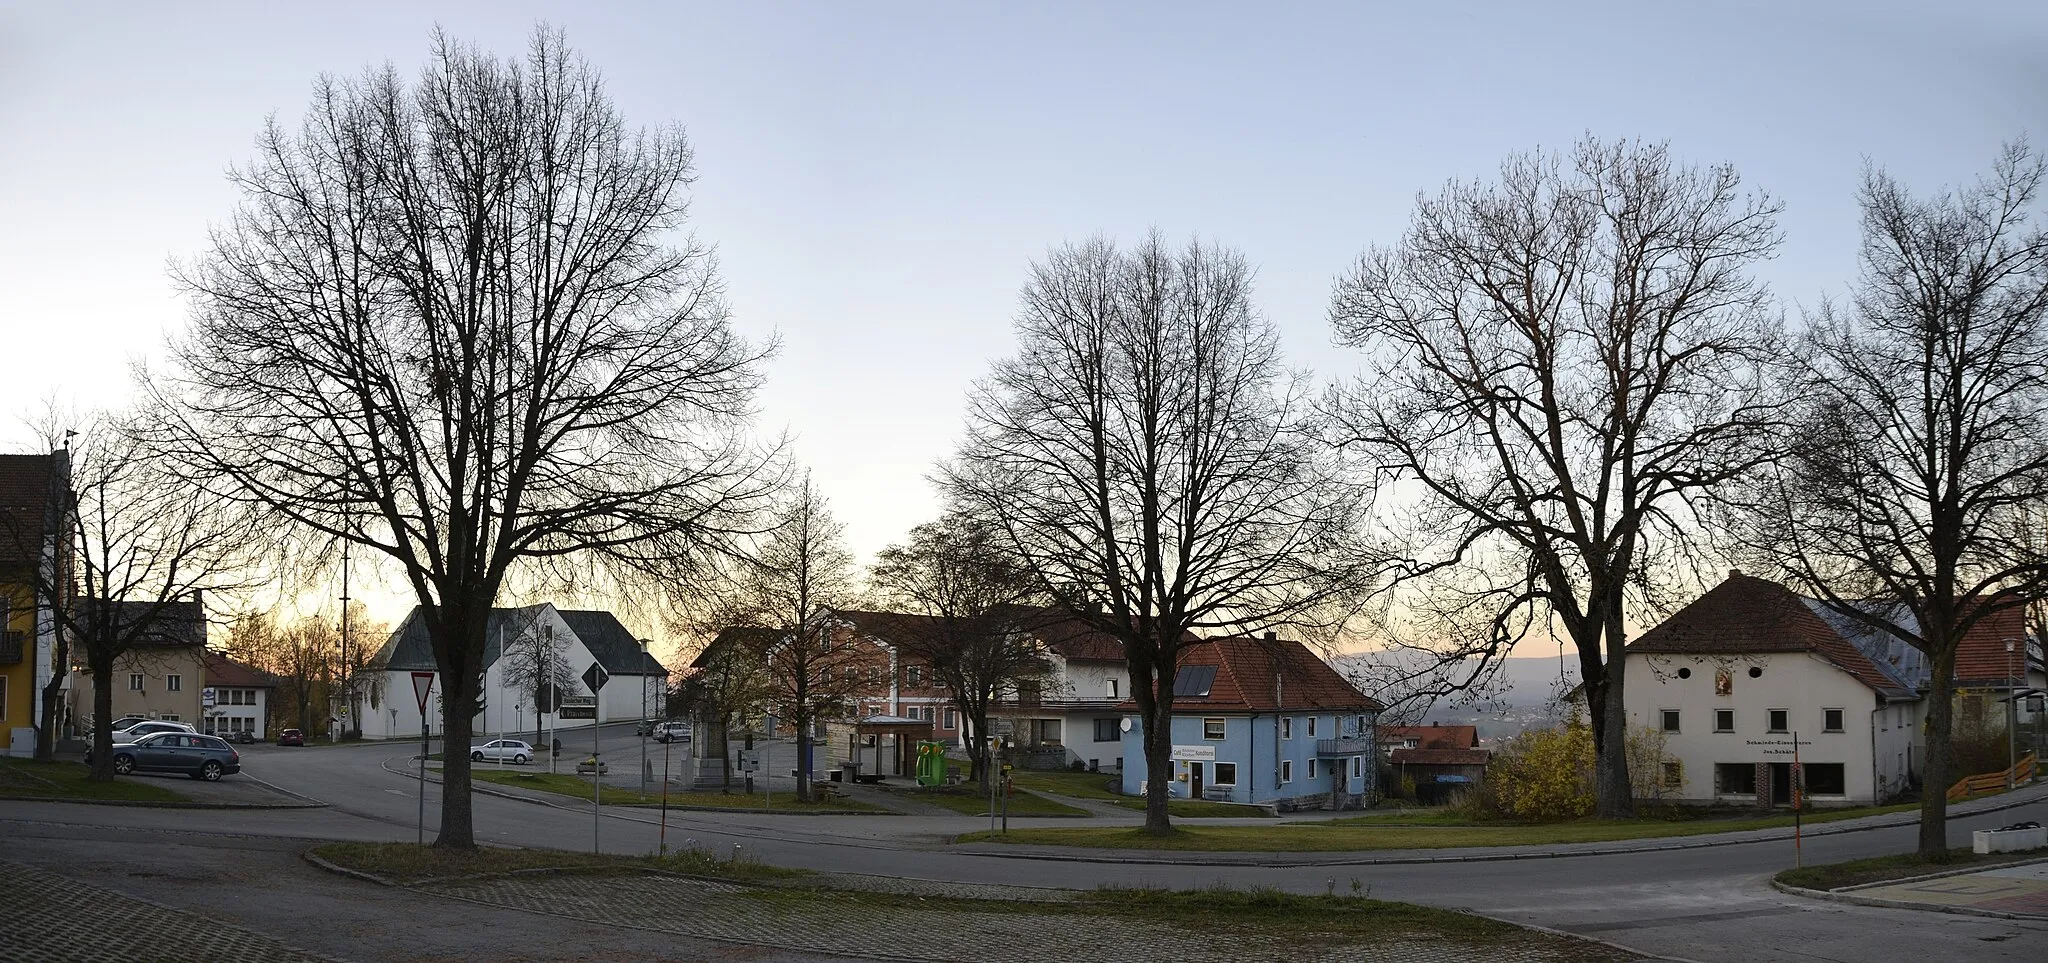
(1541, 775)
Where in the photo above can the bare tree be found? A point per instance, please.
(140, 545)
(1561, 367)
(447, 324)
(537, 663)
(728, 685)
(1150, 463)
(975, 606)
(802, 571)
(1913, 502)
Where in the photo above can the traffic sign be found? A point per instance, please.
(422, 683)
(750, 760)
(595, 677)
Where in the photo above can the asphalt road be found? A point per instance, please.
(1707, 904)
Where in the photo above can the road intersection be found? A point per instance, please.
(1708, 902)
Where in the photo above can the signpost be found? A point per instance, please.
(1798, 803)
(422, 684)
(594, 678)
(750, 763)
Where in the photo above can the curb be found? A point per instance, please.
(1853, 899)
(1941, 875)
(1352, 857)
(162, 804)
(488, 789)
(1568, 934)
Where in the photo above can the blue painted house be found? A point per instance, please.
(1263, 720)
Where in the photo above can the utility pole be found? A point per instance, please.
(2012, 722)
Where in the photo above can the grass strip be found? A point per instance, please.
(1880, 869)
(61, 780)
(971, 801)
(407, 863)
(579, 787)
(1096, 786)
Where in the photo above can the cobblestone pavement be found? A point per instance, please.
(841, 923)
(2015, 889)
(46, 923)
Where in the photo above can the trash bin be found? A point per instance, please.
(849, 771)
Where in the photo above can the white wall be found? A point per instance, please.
(1084, 681)
(1802, 684)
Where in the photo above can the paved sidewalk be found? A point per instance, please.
(51, 919)
(2012, 889)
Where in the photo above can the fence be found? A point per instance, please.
(2022, 773)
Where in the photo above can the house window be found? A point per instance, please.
(1357, 767)
(1105, 730)
(1735, 778)
(913, 676)
(135, 682)
(1311, 727)
(1109, 688)
(1311, 768)
(1286, 770)
(169, 717)
(952, 718)
(1831, 720)
(1670, 720)
(1780, 720)
(1724, 720)
(1286, 727)
(174, 682)
(1363, 725)
(1224, 774)
(1674, 775)
(1212, 729)
(1825, 779)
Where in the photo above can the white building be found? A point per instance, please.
(568, 641)
(1072, 715)
(1733, 679)
(236, 698)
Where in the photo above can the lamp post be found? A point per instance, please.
(2012, 721)
(643, 716)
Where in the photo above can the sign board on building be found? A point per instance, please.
(750, 760)
(1194, 753)
(206, 697)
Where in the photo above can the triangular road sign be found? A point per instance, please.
(422, 683)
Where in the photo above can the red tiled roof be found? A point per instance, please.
(223, 671)
(1981, 659)
(1441, 757)
(1072, 638)
(1265, 675)
(1432, 737)
(1746, 614)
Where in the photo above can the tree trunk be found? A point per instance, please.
(1613, 797)
(102, 719)
(458, 830)
(1940, 753)
(1155, 707)
(46, 727)
(977, 747)
(803, 759)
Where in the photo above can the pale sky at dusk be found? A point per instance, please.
(877, 177)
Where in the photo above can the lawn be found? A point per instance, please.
(971, 801)
(1900, 866)
(1407, 831)
(1095, 785)
(28, 779)
(1701, 819)
(408, 863)
(579, 787)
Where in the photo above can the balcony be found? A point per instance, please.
(1345, 746)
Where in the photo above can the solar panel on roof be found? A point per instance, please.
(1194, 680)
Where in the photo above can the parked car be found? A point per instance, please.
(121, 724)
(502, 750)
(645, 728)
(291, 737)
(674, 730)
(242, 736)
(201, 757)
(149, 727)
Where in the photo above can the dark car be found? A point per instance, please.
(201, 757)
(291, 737)
(242, 736)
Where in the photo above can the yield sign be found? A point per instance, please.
(595, 677)
(422, 683)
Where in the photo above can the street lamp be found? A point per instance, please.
(2012, 721)
(643, 716)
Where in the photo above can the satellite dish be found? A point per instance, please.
(1126, 723)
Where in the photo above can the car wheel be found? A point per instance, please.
(476, 757)
(519, 760)
(210, 772)
(124, 764)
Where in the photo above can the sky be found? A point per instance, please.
(878, 177)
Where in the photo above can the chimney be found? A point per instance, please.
(1734, 573)
(1272, 636)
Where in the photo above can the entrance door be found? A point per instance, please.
(1194, 780)
(1781, 784)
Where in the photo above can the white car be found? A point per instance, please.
(672, 732)
(502, 750)
(135, 732)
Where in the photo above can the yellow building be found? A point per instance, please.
(33, 541)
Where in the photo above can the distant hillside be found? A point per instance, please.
(1523, 694)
